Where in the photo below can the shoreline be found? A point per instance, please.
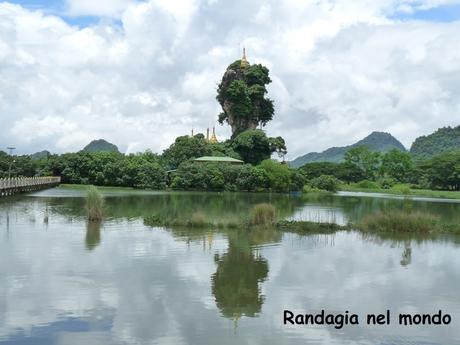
(427, 193)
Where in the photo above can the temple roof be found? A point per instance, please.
(218, 159)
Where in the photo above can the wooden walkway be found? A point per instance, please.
(10, 186)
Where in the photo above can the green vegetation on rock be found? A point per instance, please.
(444, 139)
(100, 145)
(242, 95)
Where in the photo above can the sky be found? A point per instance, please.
(141, 73)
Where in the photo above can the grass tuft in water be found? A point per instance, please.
(198, 219)
(304, 227)
(400, 222)
(263, 214)
(94, 204)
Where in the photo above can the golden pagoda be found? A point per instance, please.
(244, 62)
(213, 139)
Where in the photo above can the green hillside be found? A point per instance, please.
(99, 146)
(376, 141)
(444, 139)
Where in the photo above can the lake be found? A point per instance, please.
(64, 281)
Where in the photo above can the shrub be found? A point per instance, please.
(279, 175)
(387, 182)
(94, 204)
(401, 188)
(263, 214)
(325, 182)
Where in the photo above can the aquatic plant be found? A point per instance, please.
(263, 214)
(198, 219)
(94, 204)
(399, 221)
(304, 227)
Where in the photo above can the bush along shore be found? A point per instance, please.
(264, 215)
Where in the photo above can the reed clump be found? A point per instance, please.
(263, 214)
(305, 227)
(400, 222)
(94, 204)
(198, 219)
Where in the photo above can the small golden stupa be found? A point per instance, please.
(213, 139)
(244, 62)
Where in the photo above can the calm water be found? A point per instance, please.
(122, 282)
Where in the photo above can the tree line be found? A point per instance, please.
(384, 170)
(175, 168)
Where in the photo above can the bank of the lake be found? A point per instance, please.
(403, 190)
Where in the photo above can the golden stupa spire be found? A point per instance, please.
(213, 139)
(244, 61)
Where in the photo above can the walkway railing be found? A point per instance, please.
(9, 186)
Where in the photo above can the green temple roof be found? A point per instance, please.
(218, 159)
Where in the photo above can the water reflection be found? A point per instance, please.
(93, 234)
(144, 285)
(236, 283)
(406, 257)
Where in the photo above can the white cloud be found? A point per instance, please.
(340, 70)
(107, 8)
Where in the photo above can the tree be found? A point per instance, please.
(325, 182)
(443, 171)
(365, 160)
(242, 95)
(278, 145)
(253, 146)
(397, 165)
(279, 175)
(185, 148)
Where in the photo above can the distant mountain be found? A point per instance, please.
(376, 141)
(444, 139)
(40, 155)
(100, 145)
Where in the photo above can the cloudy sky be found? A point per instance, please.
(140, 73)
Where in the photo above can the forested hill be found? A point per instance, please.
(444, 139)
(100, 146)
(376, 141)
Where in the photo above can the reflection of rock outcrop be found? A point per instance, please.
(93, 235)
(236, 283)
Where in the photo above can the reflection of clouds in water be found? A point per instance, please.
(320, 214)
(149, 287)
(363, 277)
(135, 273)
